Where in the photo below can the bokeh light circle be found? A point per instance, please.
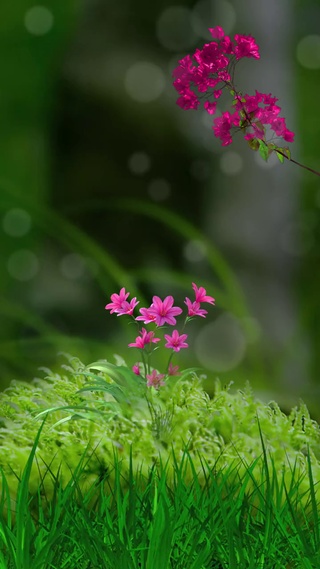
(23, 265)
(38, 20)
(221, 345)
(206, 12)
(308, 52)
(231, 163)
(200, 170)
(144, 81)
(16, 222)
(73, 266)
(194, 251)
(175, 30)
(159, 189)
(139, 163)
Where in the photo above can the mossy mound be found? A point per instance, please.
(223, 430)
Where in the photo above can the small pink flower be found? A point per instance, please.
(136, 368)
(155, 379)
(163, 311)
(201, 294)
(246, 47)
(194, 308)
(127, 307)
(176, 341)
(120, 305)
(173, 370)
(146, 316)
(144, 338)
(217, 32)
(210, 107)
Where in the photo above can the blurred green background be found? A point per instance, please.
(105, 182)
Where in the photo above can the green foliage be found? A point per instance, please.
(225, 431)
(197, 525)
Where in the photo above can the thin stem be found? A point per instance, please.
(170, 358)
(298, 163)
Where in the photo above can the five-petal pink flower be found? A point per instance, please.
(144, 339)
(201, 294)
(155, 379)
(120, 305)
(164, 311)
(194, 308)
(176, 341)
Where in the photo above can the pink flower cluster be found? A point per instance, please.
(209, 71)
(159, 313)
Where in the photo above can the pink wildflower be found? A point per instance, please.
(164, 311)
(194, 308)
(144, 338)
(173, 370)
(175, 341)
(136, 368)
(155, 379)
(201, 294)
(146, 317)
(120, 305)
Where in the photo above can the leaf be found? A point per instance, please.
(263, 150)
(287, 152)
(253, 143)
(281, 158)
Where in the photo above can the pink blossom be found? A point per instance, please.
(136, 368)
(146, 317)
(144, 338)
(120, 305)
(210, 107)
(194, 308)
(217, 32)
(246, 47)
(201, 294)
(175, 341)
(188, 101)
(226, 45)
(173, 370)
(223, 125)
(278, 125)
(164, 311)
(211, 57)
(155, 379)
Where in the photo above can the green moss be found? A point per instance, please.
(223, 429)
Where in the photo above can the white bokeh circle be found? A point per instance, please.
(38, 20)
(159, 189)
(208, 11)
(139, 163)
(221, 345)
(144, 81)
(194, 251)
(16, 222)
(231, 163)
(23, 265)
(73, 266)
(174, 28)
(308, 52)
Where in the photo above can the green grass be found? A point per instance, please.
(145, 524)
